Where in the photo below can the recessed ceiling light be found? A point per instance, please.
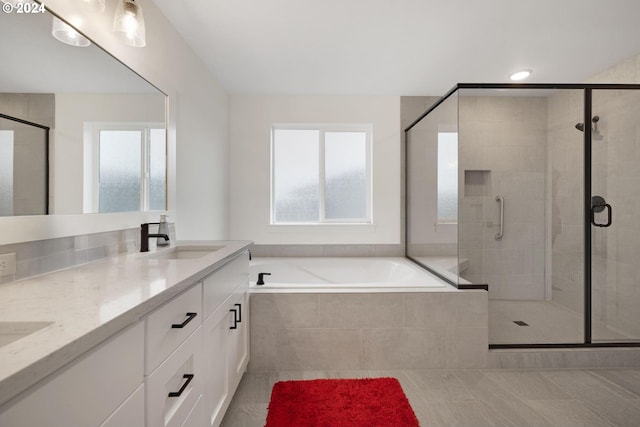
(520, 75)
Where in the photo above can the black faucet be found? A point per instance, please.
(261, 278)
(145, 236)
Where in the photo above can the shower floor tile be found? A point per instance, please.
(546, 322)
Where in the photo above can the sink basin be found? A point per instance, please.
(13, 331)
(183, 252)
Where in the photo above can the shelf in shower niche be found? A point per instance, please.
(477, 182)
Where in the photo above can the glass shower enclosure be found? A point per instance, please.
(532, 191)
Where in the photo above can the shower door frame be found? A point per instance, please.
(587, 188)
(47, 137)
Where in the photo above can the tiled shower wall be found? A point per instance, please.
(43, 256)
(502, 150)
(566, 171)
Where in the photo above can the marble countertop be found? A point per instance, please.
(87, 304)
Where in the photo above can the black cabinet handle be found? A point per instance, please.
(190, 317)
(188, 378)
(235, 319)
(239, 312)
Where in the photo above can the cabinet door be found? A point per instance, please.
(87, 391)
(130, 413)
(238, 349)
(215, 343)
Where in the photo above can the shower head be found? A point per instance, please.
(595, 132)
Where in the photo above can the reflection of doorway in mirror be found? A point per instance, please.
(6, 172)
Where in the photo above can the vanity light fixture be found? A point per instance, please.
(128, 23)
(67, 34)
(99, 5)
(520, 75)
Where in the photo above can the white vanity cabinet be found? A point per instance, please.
(205, 367)
(101, 388)
(178, 366)
(225, 336)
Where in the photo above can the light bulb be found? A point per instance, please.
(130, 24)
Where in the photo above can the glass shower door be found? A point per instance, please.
(615, 215)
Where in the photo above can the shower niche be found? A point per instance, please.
(477, 183)
(559, 270)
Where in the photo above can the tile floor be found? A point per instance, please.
(478, 398)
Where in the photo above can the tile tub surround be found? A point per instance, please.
(412, 330)
(89, 304)
(269, 251)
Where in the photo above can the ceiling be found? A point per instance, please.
(402, 47)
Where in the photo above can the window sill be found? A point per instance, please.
(324, 227)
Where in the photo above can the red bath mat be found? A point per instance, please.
(370, 402)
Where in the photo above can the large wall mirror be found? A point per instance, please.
(79, 131)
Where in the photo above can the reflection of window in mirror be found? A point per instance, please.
(447, 177)
(126, 164)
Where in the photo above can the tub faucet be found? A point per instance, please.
(261, 278)
(145, 236)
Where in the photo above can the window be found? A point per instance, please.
(129, 168)
(447, 177)
(321, 174)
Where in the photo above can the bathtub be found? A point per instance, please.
(382, 274)
(316, 314)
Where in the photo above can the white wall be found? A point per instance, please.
(198, 132)
(251, 118)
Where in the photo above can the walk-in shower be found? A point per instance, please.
(543, 217)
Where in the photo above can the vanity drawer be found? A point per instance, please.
(173, 389)
(170, 325)
(196, 417)
(220, 284)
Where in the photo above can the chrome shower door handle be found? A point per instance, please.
(500, 200)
